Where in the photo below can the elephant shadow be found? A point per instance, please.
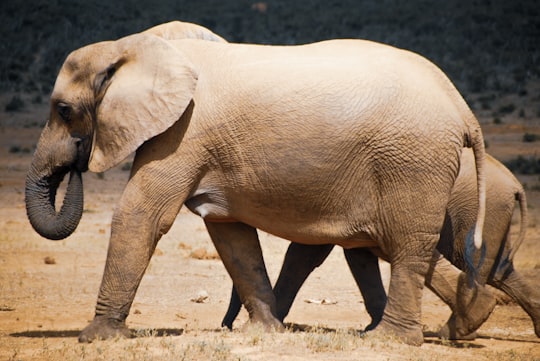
(429, 336)
(153, 332)
(433, 338)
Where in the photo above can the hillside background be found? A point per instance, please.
(483, 45)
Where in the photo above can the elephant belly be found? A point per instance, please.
(360, 240)
(203, 206)
(300, 227)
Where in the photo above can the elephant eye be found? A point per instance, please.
(64, 111)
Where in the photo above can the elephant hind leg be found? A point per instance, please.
(239, 248)
(527, 296)
(471, 306)
(409, 263)
(474, 307)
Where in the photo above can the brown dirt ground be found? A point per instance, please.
(48, 289)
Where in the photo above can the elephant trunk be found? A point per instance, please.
(40, 196)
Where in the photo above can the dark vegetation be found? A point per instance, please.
(530, 137)
(524, 165)
(483, 45)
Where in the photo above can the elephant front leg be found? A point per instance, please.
(130, 248)
(239, 248)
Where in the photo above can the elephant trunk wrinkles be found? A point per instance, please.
(40, 196)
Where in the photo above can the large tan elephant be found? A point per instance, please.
(496, 269)
(348, 142)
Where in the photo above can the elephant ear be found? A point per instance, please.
(140, 94)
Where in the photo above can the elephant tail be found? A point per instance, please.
(522, 199)
(476, 141)
(474, 241)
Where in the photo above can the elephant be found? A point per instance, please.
(497, 269)
(348, 142)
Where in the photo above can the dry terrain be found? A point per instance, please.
(48, 289)
(489, 48)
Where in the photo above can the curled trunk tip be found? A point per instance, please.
(40, 195)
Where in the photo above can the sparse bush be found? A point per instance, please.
(37, 99)
(485, 105)
(15, 104)
(524, 165)
(507, 109)
(18, 149)
(497, 120)
(530, 137)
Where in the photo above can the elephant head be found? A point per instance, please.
(108, 99)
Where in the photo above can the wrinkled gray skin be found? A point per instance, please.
(497, 269)
(347, 142)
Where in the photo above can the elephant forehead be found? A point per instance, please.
(82, 63)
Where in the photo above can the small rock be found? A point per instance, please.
(202, 297)
(199, 253)
(324, 301)
(6, 308)
(49, 260)
(202, 253)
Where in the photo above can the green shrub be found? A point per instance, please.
(507, 109)
(18, 149)
(524, 165)
(530, 137)
(15, 104)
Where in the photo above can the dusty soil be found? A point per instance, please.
(48, 289)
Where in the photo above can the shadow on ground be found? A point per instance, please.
(158, 332)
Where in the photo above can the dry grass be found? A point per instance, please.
(317, 343)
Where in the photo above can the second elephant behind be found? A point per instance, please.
(497, 270)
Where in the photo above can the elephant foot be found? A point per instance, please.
(254, 327)
(260, 314)
(103, 327)
(450, 332)
(371, 326)
(411, 335)
(268, 324)
(473, 314)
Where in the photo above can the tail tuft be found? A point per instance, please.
(471, 250)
